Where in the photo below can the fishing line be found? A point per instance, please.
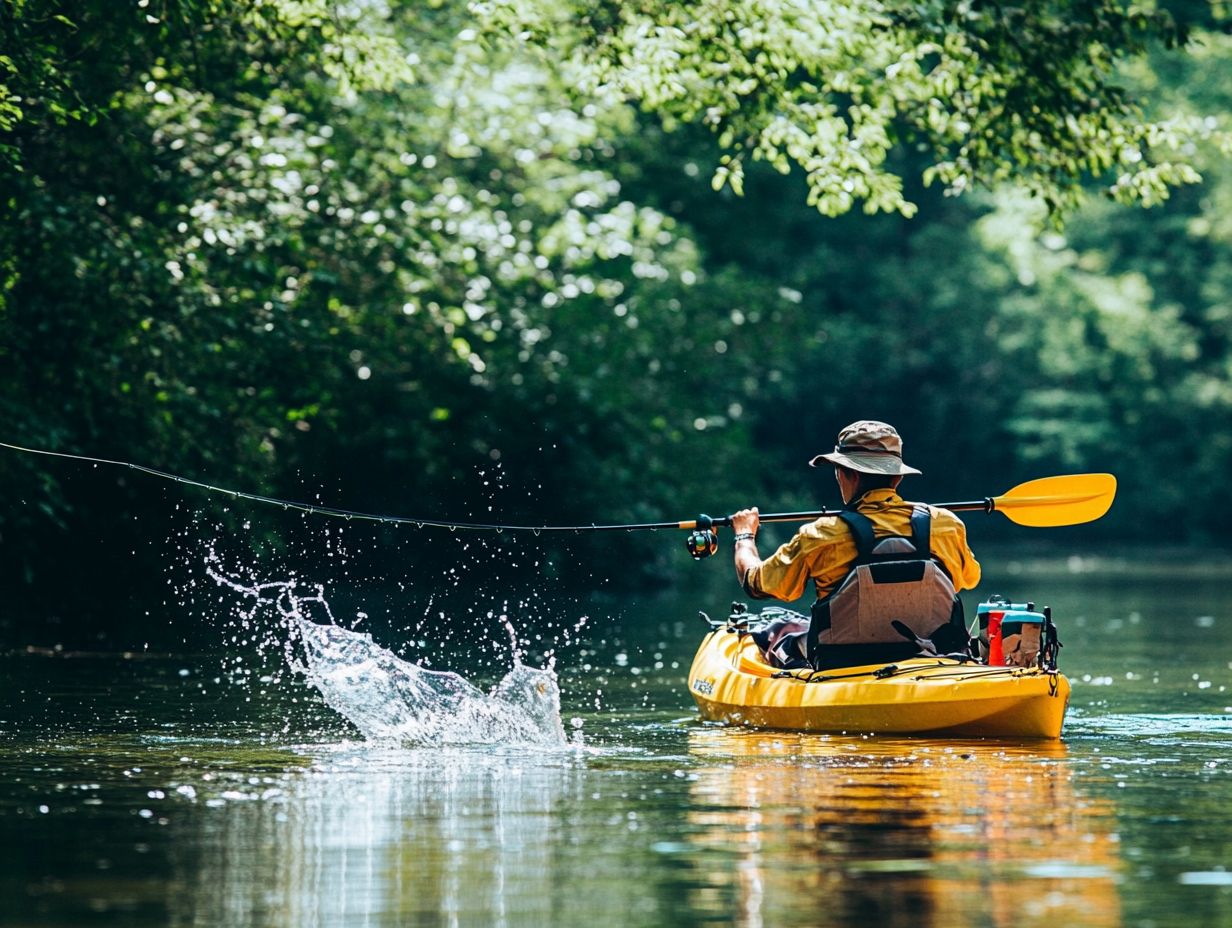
(318, 510)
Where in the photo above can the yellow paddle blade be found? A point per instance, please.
(1051, 501)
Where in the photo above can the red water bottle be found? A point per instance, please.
(996, 656)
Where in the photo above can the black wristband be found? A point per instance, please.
(741, 536)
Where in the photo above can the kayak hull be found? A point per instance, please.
(730, 682)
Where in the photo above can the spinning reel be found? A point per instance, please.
(703, 541)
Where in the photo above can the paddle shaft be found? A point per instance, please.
(985, 505)
(1072, 499)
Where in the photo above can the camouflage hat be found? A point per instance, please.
(870, 447)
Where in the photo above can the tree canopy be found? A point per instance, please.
(988, 93)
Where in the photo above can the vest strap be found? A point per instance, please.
(861, 527)
(921, 532)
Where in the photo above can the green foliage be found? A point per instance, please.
(1134, 312)
(250, 272)
(997, 350)
(1028, 94)
(377, 251)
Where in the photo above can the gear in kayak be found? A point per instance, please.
(956, 695)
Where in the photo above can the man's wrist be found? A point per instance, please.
(745, 536)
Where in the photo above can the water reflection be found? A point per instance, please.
(372, 838)
(840, 831)
(133, 794)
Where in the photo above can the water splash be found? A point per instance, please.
(386, 697)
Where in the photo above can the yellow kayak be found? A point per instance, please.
(731, 682)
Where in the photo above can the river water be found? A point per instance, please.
(168, 789)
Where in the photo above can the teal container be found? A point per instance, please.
(1009, 633)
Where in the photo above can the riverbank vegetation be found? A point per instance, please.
(621, 264)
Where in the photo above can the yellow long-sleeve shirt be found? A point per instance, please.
(823, 551)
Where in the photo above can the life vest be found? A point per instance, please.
(893, 579)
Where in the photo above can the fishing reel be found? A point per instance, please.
(703, 541)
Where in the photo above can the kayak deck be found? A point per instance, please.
(730, 682)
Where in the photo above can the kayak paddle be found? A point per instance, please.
(1044, 503)
(1048, 502)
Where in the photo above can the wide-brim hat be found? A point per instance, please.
(869, 447)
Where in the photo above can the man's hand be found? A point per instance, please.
(746, 520)
(745, 550)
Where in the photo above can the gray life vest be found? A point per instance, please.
(893, 579)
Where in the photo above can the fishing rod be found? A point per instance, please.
(1048, 501)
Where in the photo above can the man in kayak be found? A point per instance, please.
(885, 570)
